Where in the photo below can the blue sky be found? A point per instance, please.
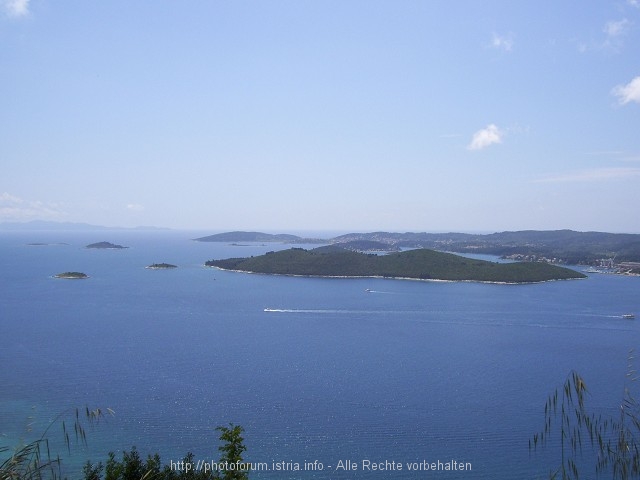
(322, 115)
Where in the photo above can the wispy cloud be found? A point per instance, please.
(593, 175)
(616, 29)
(615, 32)
(135, 207)
(617, 155)
(16, 208)
(486, 137)
(502, 42)
(15, 8)
(7, 198)
(629, 92)
(607, 153)
(634, 3)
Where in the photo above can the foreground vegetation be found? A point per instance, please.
(613, 443)
(420, 264)
(568, 427)
(35, 462)
(132, 467)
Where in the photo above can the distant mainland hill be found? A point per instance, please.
(420, 264)
(551, 246)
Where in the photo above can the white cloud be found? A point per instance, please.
(593, 175)
(135, 207)
(502, 42)
(629, 92)
(16, 208)
(615, 29)
(486, 137)
(582, 47)
(615, 32)
(634, 3)
(15, 8)
(8, 199)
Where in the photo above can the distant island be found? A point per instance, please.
(421, 264)
(105, 245)
(71, 275)
(615, 252)
(235, 237)
(160, 266)
(42, 244)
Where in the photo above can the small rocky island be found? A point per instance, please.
(71, 275)
(105, 245)
(419, 264)
(161, 266)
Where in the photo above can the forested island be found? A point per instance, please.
(422, 264)
(71, 275)
(161, 266)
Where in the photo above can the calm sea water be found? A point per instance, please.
(407, 372)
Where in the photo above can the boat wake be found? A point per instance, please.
(303, 310)
(435, 318)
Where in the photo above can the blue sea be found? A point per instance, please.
(315, 370)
